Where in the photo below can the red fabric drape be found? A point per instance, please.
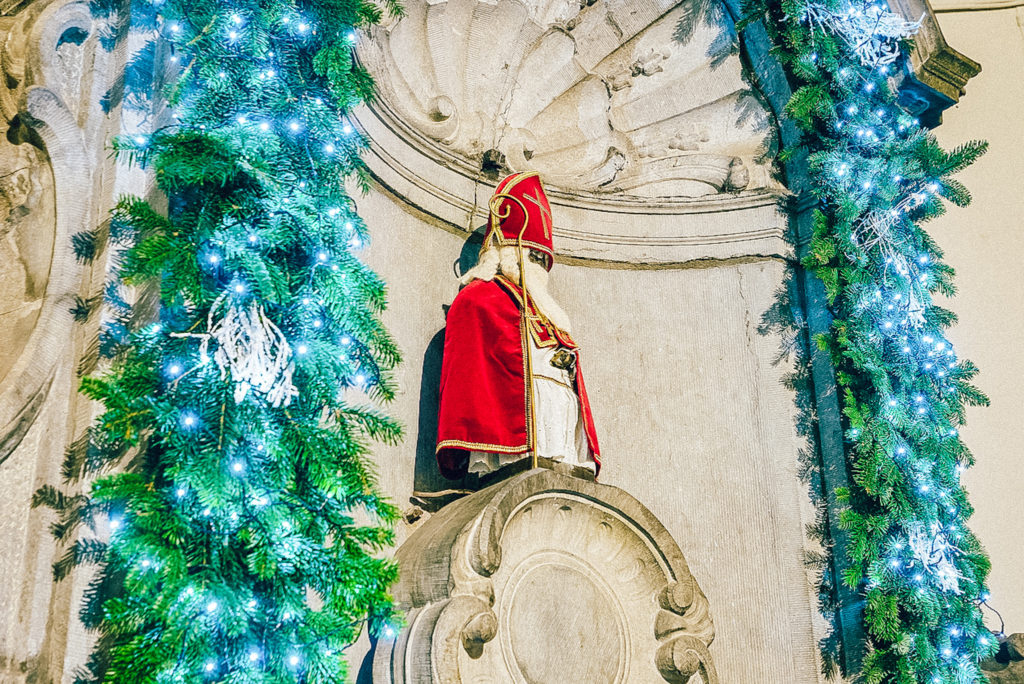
(483, 401)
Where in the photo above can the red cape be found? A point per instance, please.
(484, 405)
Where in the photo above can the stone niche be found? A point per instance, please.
(657, 151)
(546, 578)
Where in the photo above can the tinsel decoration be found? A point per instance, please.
(934, 552)
(871, 32)
(250, 350)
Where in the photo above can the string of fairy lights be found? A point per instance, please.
(275, 306)
(917, 562)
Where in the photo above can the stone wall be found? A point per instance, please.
(693, 411)
(984, 242)
(676, 272)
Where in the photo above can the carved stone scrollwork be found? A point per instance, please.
(653, 146)
(48, 107)
(574, 92)
(1007, 665)
(546, 579)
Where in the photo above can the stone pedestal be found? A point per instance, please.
(546, 579)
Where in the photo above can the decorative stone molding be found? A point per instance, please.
(940, 6)
(50, 109)
(939, 73)
(622, 111)
(546, 579)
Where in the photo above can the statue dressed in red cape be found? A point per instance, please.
(511, 378)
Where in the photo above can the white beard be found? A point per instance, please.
(505, 260)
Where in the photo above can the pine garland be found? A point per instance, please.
(878, 175)
(228, 467)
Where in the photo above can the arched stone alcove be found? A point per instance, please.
(671, 228)
(655, 127)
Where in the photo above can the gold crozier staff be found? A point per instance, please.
(524, 322)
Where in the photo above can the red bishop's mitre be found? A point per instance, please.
(521, 215)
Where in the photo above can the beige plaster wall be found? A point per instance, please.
(985, 242)
(693, 416)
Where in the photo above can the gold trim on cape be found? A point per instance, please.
(477, 446)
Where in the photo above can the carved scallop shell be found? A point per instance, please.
(602, 97)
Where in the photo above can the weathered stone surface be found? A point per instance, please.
(43, 155)
(645, 98)
(545, 579)
(1015, 646)
(1007, 667)
(938, 74)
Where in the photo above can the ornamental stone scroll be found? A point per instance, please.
(53, 136)
(546, 578)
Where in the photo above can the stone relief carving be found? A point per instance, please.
(545, 579)
(27, 218)
(1007, 665)
(47, 106)
(653, 146)
(593, 96)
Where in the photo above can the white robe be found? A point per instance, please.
(561, 435)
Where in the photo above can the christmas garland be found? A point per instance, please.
(238, 539)
(877, 175)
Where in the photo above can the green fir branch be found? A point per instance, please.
(878, 175)
(237, 538)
